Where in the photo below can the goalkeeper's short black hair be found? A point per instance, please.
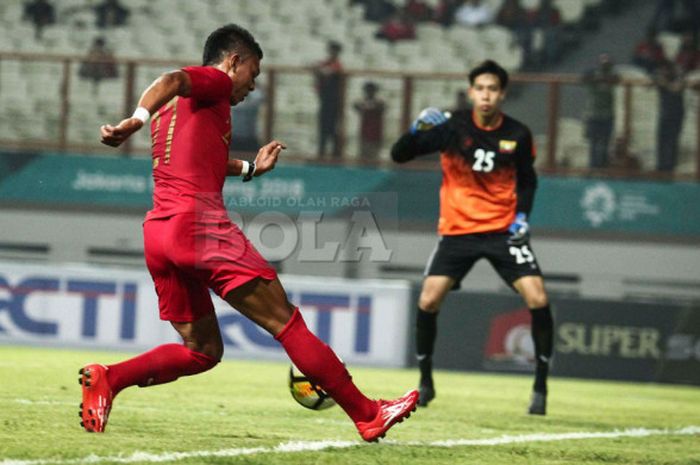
(226, 39)
(489, 67)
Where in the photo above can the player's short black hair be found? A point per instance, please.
(334, 46)
(229, 38)
(489, 67)
(370, 86)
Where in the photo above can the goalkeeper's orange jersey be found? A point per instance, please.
(487, 174)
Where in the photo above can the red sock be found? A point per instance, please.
(160, 365)
(320, 364)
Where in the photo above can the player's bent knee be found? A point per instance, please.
(538, 300)
(215, 353)
(200, 362)
(207, 342)
(428, 303)
(212, 349)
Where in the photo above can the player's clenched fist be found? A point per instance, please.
(428, 119)
(115, 135)
(267, 156)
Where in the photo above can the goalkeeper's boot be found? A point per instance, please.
(97, 398)
(427, 393)
(538, 404)
(390, 412)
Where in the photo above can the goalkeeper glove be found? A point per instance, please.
(428, 119)
(519, 230)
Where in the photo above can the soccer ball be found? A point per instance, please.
(306, 393)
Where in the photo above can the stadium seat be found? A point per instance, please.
(530, 4)
(670, 42)
(429, 34)
(571, 144)
(495, 5)
(631, 71)
(643, 128)
(12, 14)
(571, 10)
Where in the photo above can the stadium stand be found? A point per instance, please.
(292, 34)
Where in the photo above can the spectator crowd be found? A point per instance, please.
(536, 27)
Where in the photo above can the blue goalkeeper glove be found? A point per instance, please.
(519, 230)
(428, 119)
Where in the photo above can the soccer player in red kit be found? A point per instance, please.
(192, 246)
(488, 189)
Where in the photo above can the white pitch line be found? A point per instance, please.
(312, 446)
(75, 404)
(544, 437)
(41, 402)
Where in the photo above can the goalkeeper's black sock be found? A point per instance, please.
(426, 331)
(542, 336)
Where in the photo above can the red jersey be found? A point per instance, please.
(190, 138)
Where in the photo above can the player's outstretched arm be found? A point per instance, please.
(115, 135)
(155, 96)
(429, 118)
(428, 134)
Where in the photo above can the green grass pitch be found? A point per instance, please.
(241, 413)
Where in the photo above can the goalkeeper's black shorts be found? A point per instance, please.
(454, 256)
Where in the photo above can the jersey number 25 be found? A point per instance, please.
(484, 160)
(522, 254)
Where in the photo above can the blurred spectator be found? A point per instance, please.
(649, 53)
(691, 17)
(547, 19)
(672, 15)
(670, 85)
(461, 101)
(328, 76)
(398, 27)
(99, 64)
(622, 158)
(418, 10)
(376, 11)
(371, 110)
(41, 13)
(244, 122)
(600, 109)
(110, 13)
(663, 15)
(688, 56)
(474, 13)
(444, 12)
(513, 16)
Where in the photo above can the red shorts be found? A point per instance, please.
(189, 254)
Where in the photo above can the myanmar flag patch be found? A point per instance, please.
(507, 146)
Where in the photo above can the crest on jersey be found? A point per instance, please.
(507, 146)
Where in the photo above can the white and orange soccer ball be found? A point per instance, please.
(306, 393)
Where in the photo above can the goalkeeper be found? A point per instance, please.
(486, 196)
